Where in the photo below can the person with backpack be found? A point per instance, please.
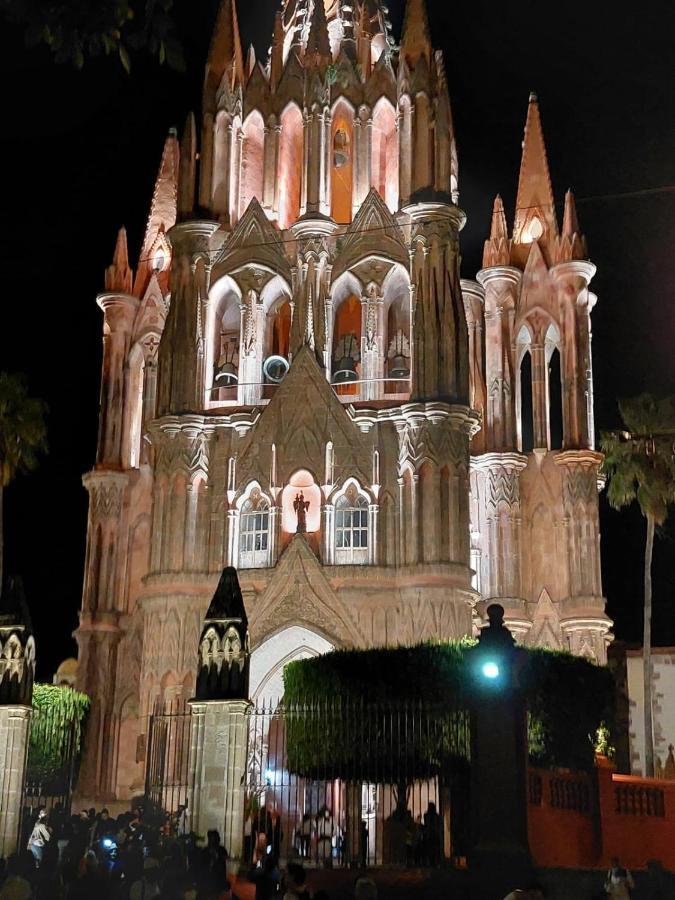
(619, 882)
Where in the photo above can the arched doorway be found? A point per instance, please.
(269, 658)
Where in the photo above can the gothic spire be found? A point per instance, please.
(188, 167)
(318, 42)
(225, 54)
(570, 224)
(224, 654)
(250, 61)
(277, 51)
(119, 276)
(498, 228)
(227, 604)
(162, 213)
(415, 38)
(535, 194)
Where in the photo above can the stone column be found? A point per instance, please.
(501, 285)
(119, 311)
(573, 279)
(583, 619)
(17, 672)
(14, 732)
(219, 736)
(218, 748)
(500, 473)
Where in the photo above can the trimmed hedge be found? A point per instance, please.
(56, 731)
(568, 698)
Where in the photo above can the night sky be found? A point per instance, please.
(81, 150)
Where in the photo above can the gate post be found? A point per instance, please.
(17, 671)
(219, 719)
(500, 847)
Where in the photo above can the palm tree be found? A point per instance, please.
(640, 465)
(23, 434)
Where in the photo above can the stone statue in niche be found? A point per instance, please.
(300, 505)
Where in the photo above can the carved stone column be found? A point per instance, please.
(583, 618)
(17, 671)
(180, 373)
(499, 474)
(573, 279)
(219, 734)
(501, 285)
(119, 311)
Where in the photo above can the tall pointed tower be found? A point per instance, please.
(535, 468)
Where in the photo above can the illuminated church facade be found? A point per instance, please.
(297, 382)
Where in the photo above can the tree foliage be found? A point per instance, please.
(346, 709)
(640, 460)
(640, 465)
(78, 30)
(56, 731)
(23, 432)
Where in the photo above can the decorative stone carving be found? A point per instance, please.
(224, 655)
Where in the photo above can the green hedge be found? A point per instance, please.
(56, 731)
(568, 698)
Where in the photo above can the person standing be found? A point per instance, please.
(39, 836)
(619, 882)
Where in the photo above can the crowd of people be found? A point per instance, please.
(95, 856)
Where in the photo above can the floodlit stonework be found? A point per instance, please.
(297, 383)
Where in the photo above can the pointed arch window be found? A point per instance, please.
(351, 528)
(254, 532)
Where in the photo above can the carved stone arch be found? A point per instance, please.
(253, 242)
(288, 643)
(382, 83)
(257, 93)
(373, 232)
(245, 491)
(342, 486)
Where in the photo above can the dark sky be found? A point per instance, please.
(80, 153)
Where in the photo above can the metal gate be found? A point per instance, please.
(352, 784)
(167, 768)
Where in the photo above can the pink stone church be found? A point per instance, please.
(297, 382)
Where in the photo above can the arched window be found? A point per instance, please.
(554, 389)
(254, 532)
(290, 165)
(351, 528)
(347, 345)
(342, 164)
(252, 166)
(526, 404)
(384, 159)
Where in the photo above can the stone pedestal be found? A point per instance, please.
(218, 746)
(14, 731)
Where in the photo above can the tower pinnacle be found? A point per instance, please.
(415, 39)
(119, 276)
(318, 42)
(535, 209)
(225, 54)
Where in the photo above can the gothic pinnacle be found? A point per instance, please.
(570, 224)
(119, 276)
(535, 194)
(318, 42)
(415, 38)
(498, 228)
(225, 54)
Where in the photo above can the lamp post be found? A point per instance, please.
(500, 854)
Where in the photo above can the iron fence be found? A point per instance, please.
(336, 784)
(168, 752)
(342, 784)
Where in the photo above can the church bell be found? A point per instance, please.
(226, 375)
(400, 367)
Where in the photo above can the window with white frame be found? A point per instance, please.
(254, 532)
(351, 528)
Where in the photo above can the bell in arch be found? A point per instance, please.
(399, 356)
(226, 373)
(345, 359)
